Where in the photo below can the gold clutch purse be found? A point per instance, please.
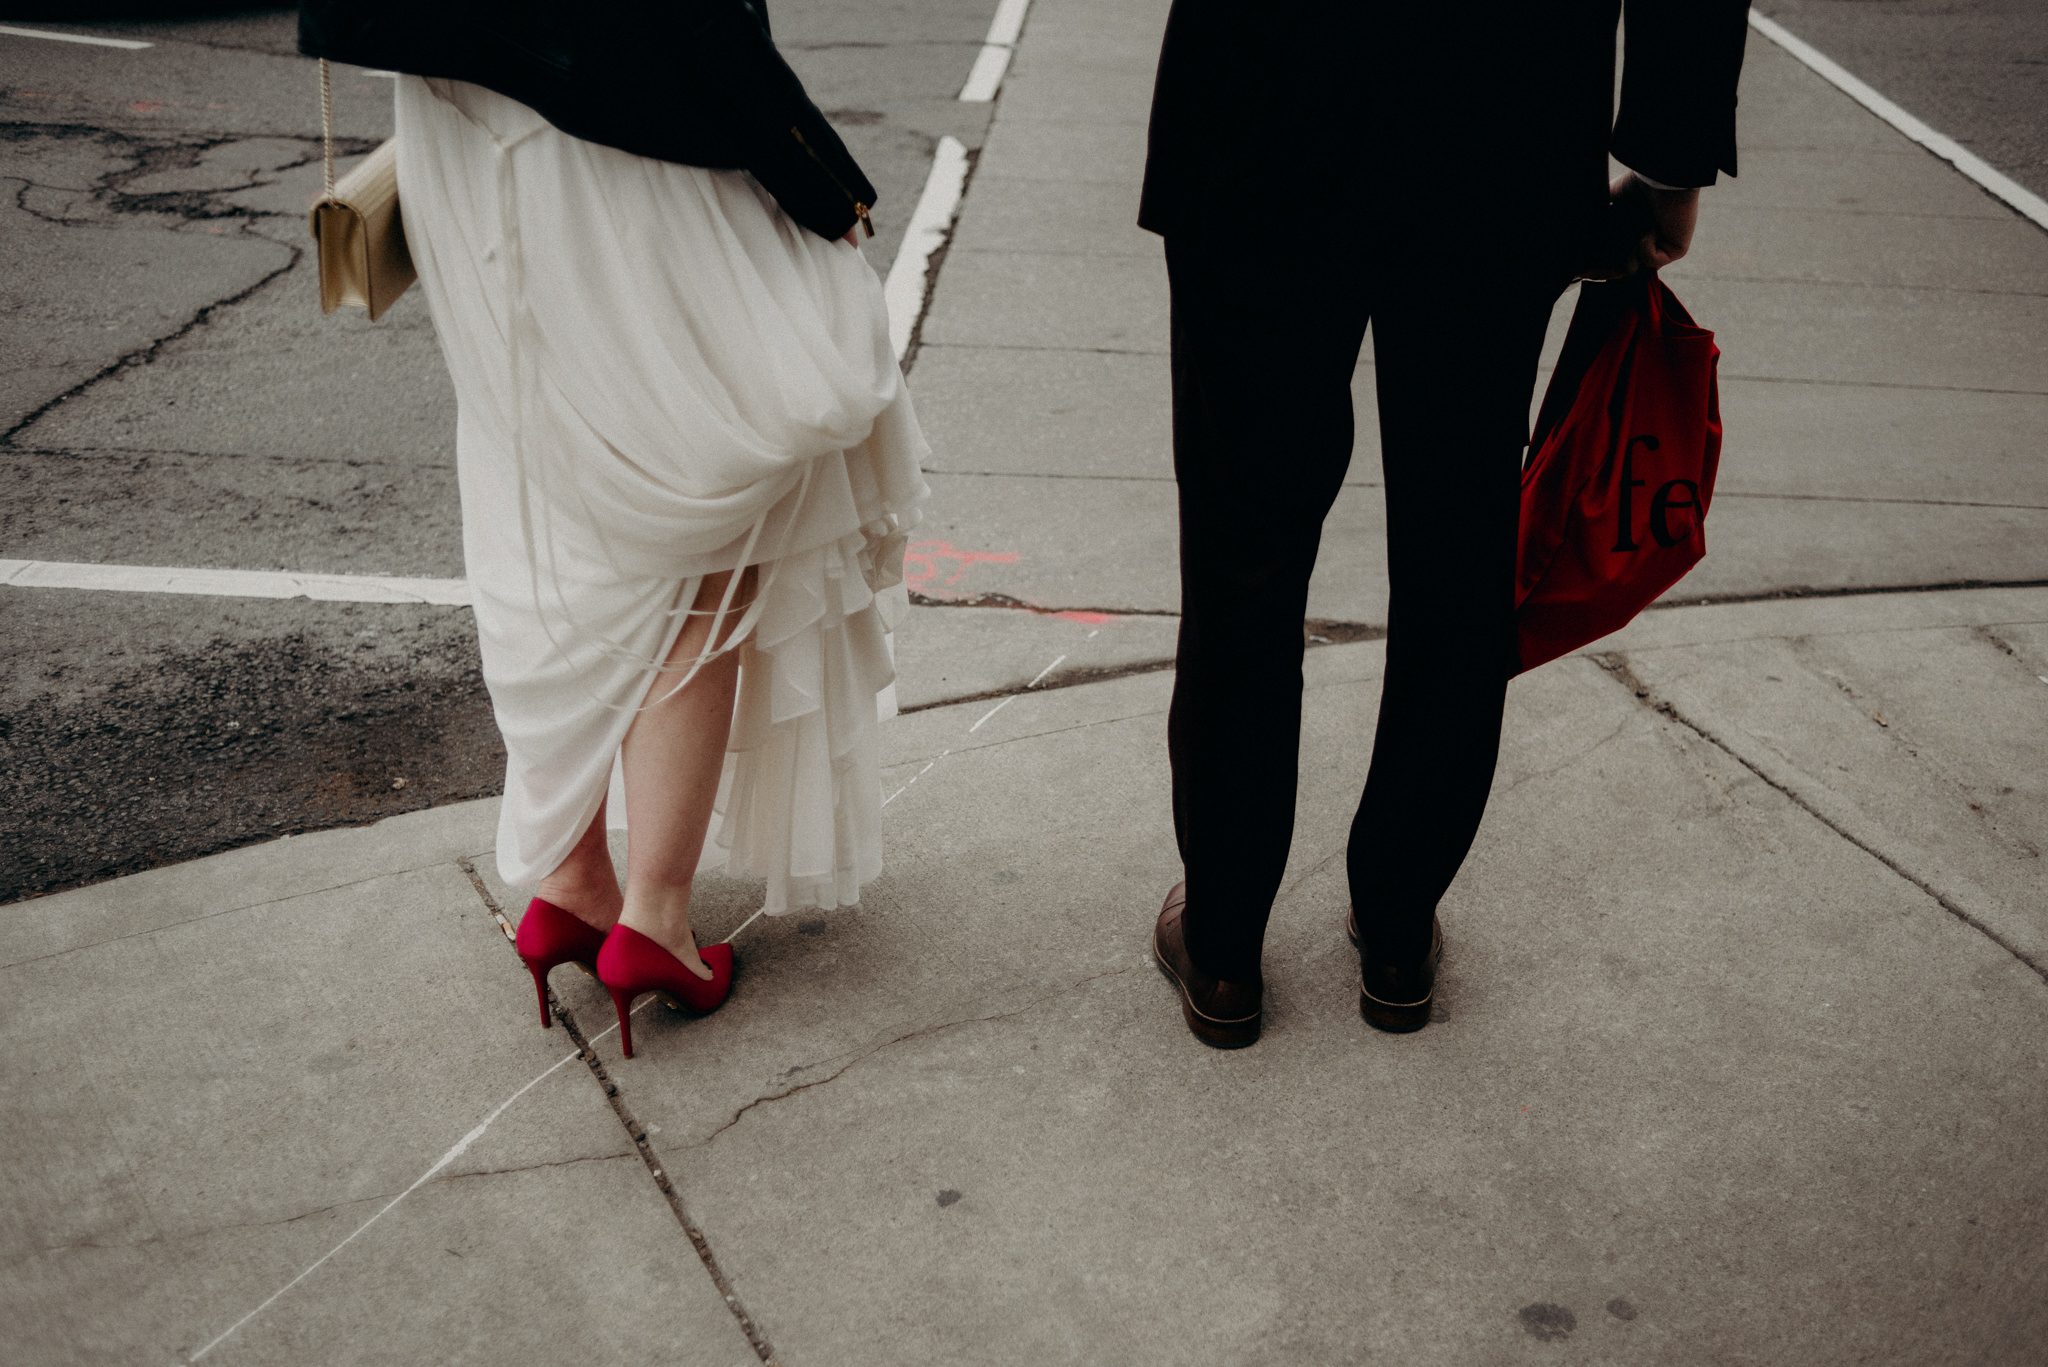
(357, 229)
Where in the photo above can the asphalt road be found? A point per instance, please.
(1976, 70)
(170, 395)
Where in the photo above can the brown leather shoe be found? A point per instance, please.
(1393, 997)
(1220, 1013)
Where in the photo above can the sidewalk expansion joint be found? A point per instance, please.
(1882, 384)
(1318, 632)
(1616, 663)
(1065, 678)
(861, 1056)
(1006, 602)
(638, 1134)
(1845, 591)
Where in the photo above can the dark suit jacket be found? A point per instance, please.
(1393, 123)
(691, 81)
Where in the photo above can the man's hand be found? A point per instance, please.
(1670, 214)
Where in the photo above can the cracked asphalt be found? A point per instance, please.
(170, 395)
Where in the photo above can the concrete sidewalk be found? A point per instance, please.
(1744, 1027)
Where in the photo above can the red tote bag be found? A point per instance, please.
(1620, 471)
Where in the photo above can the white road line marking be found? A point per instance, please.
(323, 588)
(461, 1146)
(1043, 672)
(128, 44)
(930, 222)
(1008, 23)
(993, 61)
(1948, 149)
(991, 712)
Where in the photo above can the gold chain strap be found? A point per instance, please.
(327, 121)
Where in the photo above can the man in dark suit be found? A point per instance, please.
(1439, 171)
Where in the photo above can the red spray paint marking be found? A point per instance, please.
(923, 562)
(1089, 619)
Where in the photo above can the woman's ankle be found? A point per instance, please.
(664, 917)
(591, 896)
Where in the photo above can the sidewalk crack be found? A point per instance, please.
(1617, 664)
(638, 1134)
(863, 1055)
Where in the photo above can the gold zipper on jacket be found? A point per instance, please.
(860, 210)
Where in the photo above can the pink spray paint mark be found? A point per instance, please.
(925, 561)
(1088, 619)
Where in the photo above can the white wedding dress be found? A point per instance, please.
(659, 376)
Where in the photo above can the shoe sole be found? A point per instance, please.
(1214, 1033)
(1396, 1018)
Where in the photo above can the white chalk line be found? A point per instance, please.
(930, 224)
(749, 921)
(443, 1161)
(991, 712)
(1992, 180)
(993, 61)
(970, 731)
(127, 44)
(461, 1146)
(915, 777)
(324, 588)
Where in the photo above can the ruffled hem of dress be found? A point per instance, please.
(800, 801)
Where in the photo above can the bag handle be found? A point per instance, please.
(327, 123)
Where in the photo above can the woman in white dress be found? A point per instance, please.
(686, 454)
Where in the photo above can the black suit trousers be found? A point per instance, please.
(1263, 353)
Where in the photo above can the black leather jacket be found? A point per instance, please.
(691, 81)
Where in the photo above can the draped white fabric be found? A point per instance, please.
(660, 376)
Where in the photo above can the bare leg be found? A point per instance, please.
(585, 884)
(674, 755)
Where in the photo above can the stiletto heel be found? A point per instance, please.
(623, 1004)
(549, 937)
(631, 965)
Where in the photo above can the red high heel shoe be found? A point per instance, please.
(631, 965)
(549, 937)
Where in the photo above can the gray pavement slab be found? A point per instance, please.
(1865, 334)
(1078, 414)
(944, 654)
(1687, 1030)
(1761, 545)
(1020, 213)
(1744, 240)
(1863, 441)
(1083, 153)
(1081, 77)
(1058, 299)
(1923, 742)
(204, 1107)
(1113, 545)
